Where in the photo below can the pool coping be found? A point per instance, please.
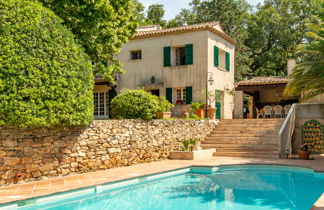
(318, 205)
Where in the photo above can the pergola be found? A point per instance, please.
(263, 91)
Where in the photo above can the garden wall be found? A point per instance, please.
(35, 154)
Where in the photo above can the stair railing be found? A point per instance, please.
(286, 132)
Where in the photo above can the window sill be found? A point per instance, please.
(222, 69)
(134, 60)
(178, 67)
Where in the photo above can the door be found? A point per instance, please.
(218, 103)
(155, 92)
(100, 105)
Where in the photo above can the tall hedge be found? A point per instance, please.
(45, 77)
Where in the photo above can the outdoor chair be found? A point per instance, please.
(259, 112)
(267, 111)
(278, 111)
(286, 109)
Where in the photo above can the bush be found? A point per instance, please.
(164, 104)
(45, 77)
(134, 104)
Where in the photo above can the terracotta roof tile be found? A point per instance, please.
(182, 29)
(264, 81)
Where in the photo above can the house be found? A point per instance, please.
(182, 64)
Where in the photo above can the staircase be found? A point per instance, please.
(245, 138)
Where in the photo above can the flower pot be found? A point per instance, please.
(200, 113)
(163, 115)
(303, 154)
(212, 113)
(185, 115)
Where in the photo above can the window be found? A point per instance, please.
(181, 96)
(101, 104)
(180, 56)
(222, 59)
(136, 55)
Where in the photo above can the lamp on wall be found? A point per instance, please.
(210, 79)
(152, 79)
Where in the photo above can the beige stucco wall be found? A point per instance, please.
(224, 80)
(139, 72)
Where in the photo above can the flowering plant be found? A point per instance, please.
(304, 147)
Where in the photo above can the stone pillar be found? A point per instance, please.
(238, 105)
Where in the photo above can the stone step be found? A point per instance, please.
(247, 154)
(264, 150)
(248, 146)
(230, 138)
(266, 126)
(245, 128)
(245, 131)
(248, 134)
(251, 120)
(240, 142)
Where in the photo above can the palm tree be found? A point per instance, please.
(307, 78)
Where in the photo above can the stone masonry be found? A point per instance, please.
(39, 153)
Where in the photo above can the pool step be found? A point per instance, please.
(245, 138)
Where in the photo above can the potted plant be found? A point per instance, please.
(164, 108)
(197, 109)
(303, 152)
(189, 151)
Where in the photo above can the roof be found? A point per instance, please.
(210, 26)
(274, 80)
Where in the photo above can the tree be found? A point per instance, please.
(139, 12)
(101, 27)
(308, 76)
(45, 77)
(274, 31)
(155, 15)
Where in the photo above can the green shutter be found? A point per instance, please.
(189, 54)
(111, 94)
(188, 95)
(167, 56)
(227, 61)
(168, 94)
(216, 56)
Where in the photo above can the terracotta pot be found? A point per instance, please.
(185, 115)
(303, 154)
(212, 113)
(163, 115)
(200, 113)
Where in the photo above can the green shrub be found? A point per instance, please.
(189, 144)
(134, 104)
(164, 104)
(196, 105)
(45, 77)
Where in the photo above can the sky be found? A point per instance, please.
(173, 7)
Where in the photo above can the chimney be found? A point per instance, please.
(149, 28)
(291, 65)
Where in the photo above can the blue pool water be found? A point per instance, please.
(229, 187)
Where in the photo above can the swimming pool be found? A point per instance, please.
(225, 187)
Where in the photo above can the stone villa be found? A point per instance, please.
(181, 63)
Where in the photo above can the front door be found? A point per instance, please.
(218, 103)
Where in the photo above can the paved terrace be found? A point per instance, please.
(46, 187)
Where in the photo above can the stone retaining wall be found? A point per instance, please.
(35, 154)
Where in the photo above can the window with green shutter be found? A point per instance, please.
(111, 95)
(216, 56)
(168, 94)
(167, 56)
(227, 61)
(189, 54)
(188, 95)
